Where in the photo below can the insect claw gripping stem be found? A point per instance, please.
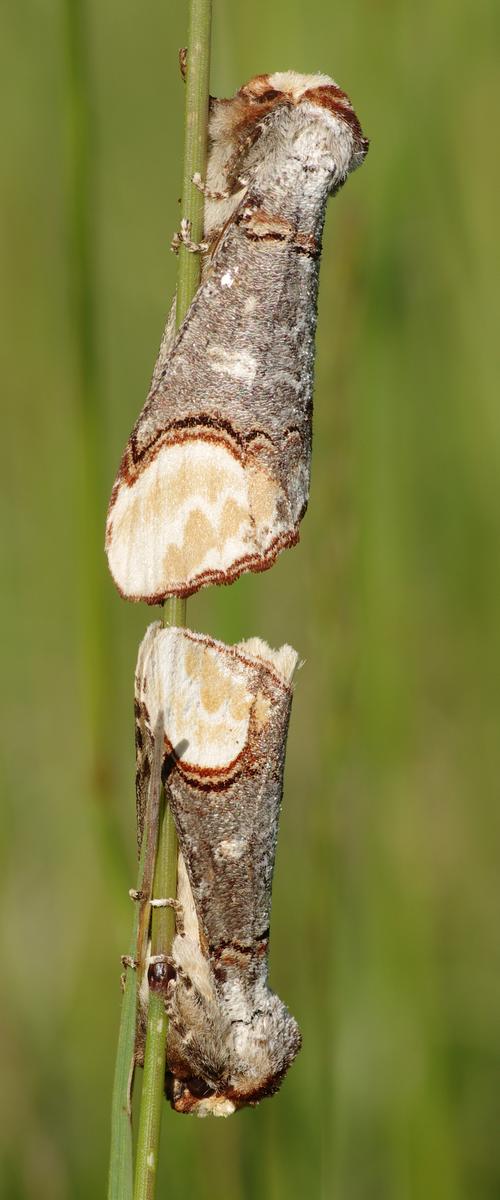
(127, 961)
(209, 194)
(183, 238)
(178, 909)
(202, 187)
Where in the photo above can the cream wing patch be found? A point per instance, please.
(204, 697)
(192, 513)
(204, 693)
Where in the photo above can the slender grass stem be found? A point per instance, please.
(195, 146)
(174, 612)
(162, 933)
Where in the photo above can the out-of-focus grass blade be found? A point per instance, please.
(121, 1170)
(120, 1183)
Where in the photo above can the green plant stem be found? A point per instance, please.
(174, 610)
(162, 933)
(195, 147)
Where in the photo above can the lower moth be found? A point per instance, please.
(214, 479)
(219, 716)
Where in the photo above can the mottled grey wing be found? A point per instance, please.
(245, 353)
(227, 835)
(215, 477)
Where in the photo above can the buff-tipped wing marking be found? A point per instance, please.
(196, 513)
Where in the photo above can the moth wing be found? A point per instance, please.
(166, 344)
(228, 841)
(144, 727)
(226, 721)
(225, 714)
(214, 479)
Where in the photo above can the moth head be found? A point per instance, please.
(197, 1097)
(286, 115)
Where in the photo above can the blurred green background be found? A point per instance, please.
(385, 938)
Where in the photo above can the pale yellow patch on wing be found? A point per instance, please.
(205, 696)
(262, 709)
(263, 493)
(232, 516)
(200, 536)
(207, 692)
(239, 704)
(196, 509)
(208, 671)
(188, 512)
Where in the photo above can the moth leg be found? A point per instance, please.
(178, 909)
(183, 60)
(210, 195)
(202, 187)
(138, 896)
(183, 238)
(127, 961)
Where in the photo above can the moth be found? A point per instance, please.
(214, 480)
(223, 712)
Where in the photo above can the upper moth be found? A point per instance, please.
(215, 477)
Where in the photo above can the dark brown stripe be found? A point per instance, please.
(216, 949)
(299, 247)
(186, 428)
(338, 103)
(213, 785)
(259, 226)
